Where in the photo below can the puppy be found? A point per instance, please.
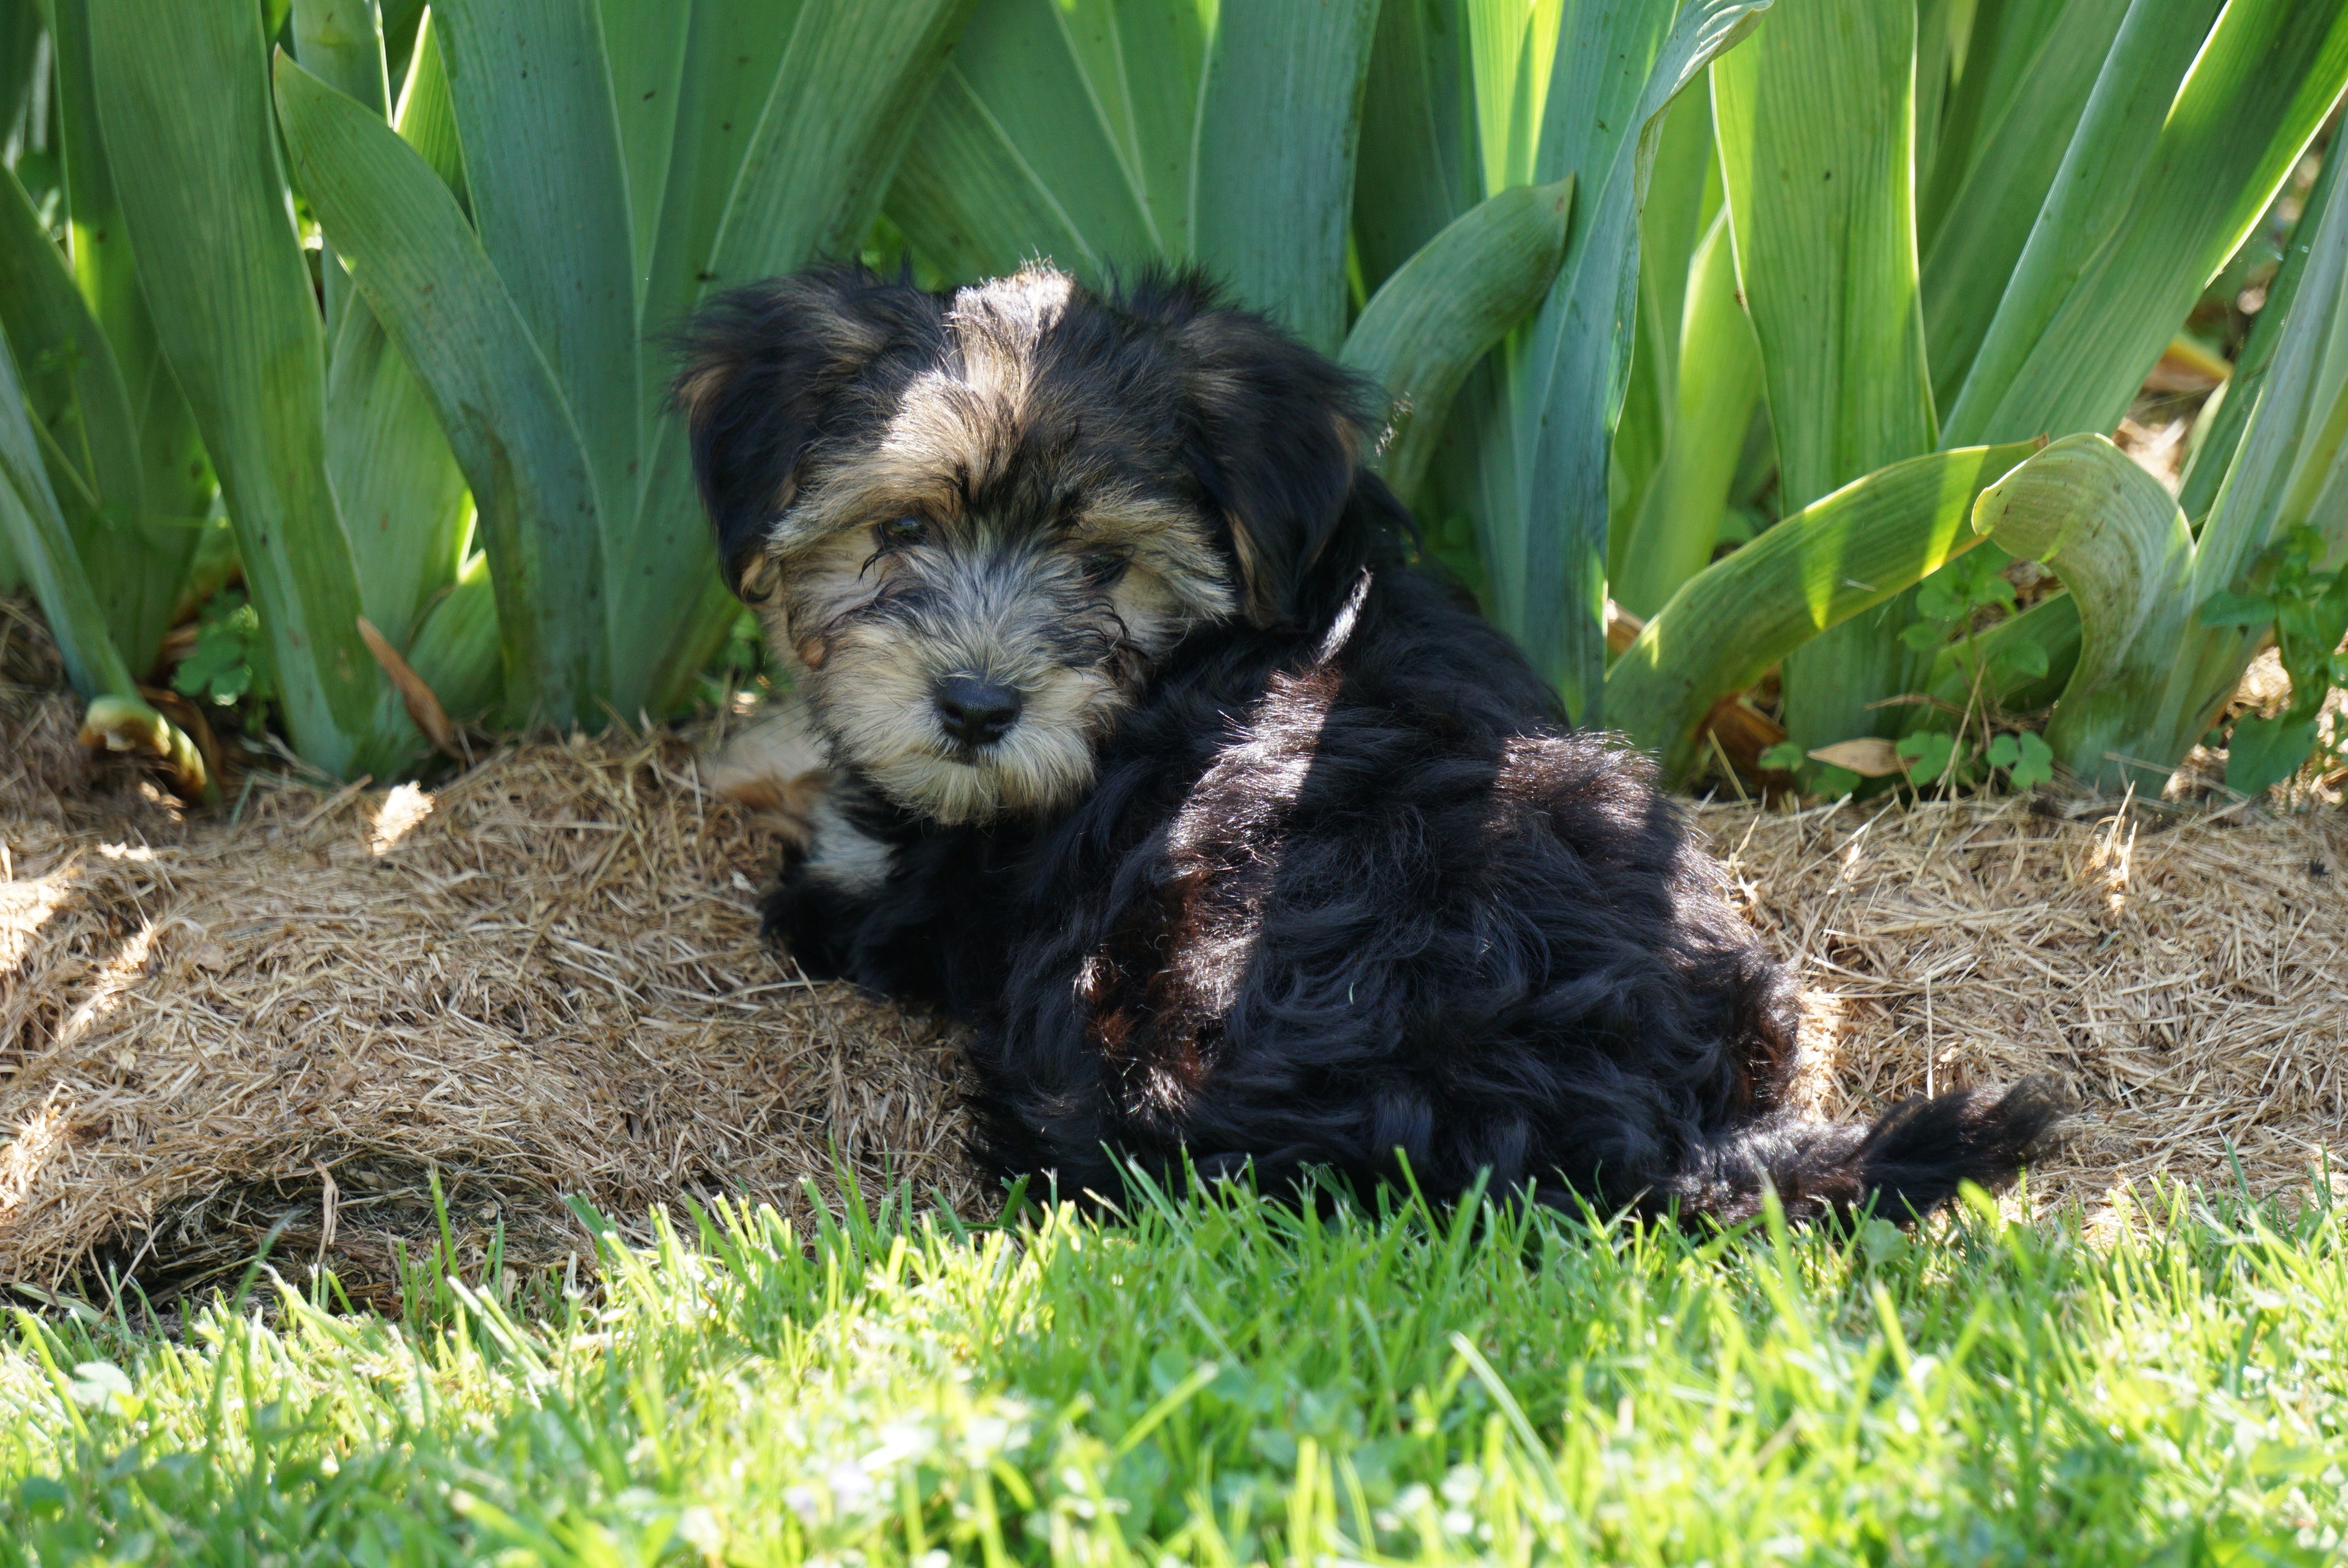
(1126, 730)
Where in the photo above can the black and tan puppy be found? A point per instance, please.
(1126, 730)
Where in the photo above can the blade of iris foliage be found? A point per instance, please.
(45, 552)
(1444, 309)
(1843, 554)
(1068, 131)
(175, 479)
(1993, 185)
(2126, 554)
(542, 162)
(1815, 121)
(341, 42)
(185, 83)
(440, 300)
(1614, 71)
(2214, 455)
(1719, 383)
(1278, 120)
(645, 43)
(86, 436)
(839, 106)
(1418, 169)
(2159, 185)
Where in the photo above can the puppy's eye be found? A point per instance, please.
(1102, 567)
(903, 533)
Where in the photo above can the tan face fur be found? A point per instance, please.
(1007, 515)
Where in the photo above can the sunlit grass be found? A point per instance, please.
(1218, 1382)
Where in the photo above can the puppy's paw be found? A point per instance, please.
(777, 769)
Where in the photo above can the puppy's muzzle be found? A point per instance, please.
(975, 711)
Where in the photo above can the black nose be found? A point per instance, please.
(975, 713)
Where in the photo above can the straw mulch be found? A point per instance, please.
(2186, 976)
(544, 978)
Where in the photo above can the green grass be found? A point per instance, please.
(1220, 1382)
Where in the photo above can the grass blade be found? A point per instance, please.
(442, 303)
(1439, 314)
(205, 203)
(1844, 553)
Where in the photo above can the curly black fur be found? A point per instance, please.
(1345, 890)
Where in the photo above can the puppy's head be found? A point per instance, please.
(975, 525)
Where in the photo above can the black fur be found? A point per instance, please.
(1345, 891)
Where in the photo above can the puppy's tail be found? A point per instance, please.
(1904, 1166)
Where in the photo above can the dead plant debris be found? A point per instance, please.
(545, 978)
(2186, 978)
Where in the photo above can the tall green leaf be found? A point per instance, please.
(645, 41)
(426, 118)
(341, 42)
(439, 299)
(1843, 554)
(838, 110)
(1444, 309)
(1682, 196)
(1719, 383)
(543, 166)
(44, 548)
(400, 490)
(81, 417)
(398, 486)
(2152, 676)
(1066, 131)
(1274, 183)
(2290, 471)
(1613, 72)
(1815, 119)
(2159, 185)
(185, 82)
(175, 479)
(1990, 192)
(1111, 133)
(1417, 168)
(2214, 448)
(2126, 556)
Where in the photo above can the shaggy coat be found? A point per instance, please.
(1127, 731)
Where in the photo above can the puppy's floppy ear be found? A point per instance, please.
(766, 373)
(1273, 431)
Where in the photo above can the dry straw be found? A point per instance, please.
(545, 978)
